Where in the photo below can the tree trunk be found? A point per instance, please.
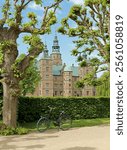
(10, 103)
(10, 81)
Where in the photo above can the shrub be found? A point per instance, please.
(31, 108)
(4, 130)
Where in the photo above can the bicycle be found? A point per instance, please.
(62, 121)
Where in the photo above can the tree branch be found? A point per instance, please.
(55, 5)
(5, 12)
(23, 6)
(24, 64)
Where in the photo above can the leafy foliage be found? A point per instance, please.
(31, 79)
(91, 22)
(103, 90)
(14, 69)
(90, 107)
(4, 130)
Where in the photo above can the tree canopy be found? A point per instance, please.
(31, 79)
(92, 47)
(15, 20)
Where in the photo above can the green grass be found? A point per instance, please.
(75, 123)
(90, 122)
(31, 127)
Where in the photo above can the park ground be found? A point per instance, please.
(84, 138)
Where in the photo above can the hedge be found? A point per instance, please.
(31, 108)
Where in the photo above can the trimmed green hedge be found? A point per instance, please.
(31, 108)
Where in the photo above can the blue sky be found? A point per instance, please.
(66, 44)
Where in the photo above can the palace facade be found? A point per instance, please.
(58, 79)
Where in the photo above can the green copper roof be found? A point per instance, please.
(72, 69)
(75, 71)
(56, 69)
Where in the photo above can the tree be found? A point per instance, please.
(11, 26)
(31, 79)
(92, 48)
(103, 90)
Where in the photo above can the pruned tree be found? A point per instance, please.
(91, 22)
(11, 26)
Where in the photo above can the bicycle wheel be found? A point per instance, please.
(65, 122)
(42, 124)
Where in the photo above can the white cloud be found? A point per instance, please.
(80, 2)
(35, 6)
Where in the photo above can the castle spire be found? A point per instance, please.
(56, 47)
(45, 54)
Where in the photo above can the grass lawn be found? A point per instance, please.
(75, 123)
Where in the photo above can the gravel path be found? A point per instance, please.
(85, 138)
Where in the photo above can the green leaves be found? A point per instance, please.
(95, 61)
(38, 2)
(80, 84)
(83, 63)
(75, 52)
(92, 32)
(75, 10)
(1, 54)
(34, 41)
(62, 30)
(31, 78)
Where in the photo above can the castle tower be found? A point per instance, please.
(45, 52)
(67, 79)
(46, 83)
(56, 55)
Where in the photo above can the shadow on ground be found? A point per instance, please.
(80, 148)
(21, 142)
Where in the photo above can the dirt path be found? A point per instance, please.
(85, 138)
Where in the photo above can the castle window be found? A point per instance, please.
(47, 62)
(47, 69)
(47, 75)
(69, 91)
(61, 93)
(75, 79)
(55, 92)
(69, 84)
(94, 93)
(47, 92)
(87, 93)
(40, 92)
(47, 85)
